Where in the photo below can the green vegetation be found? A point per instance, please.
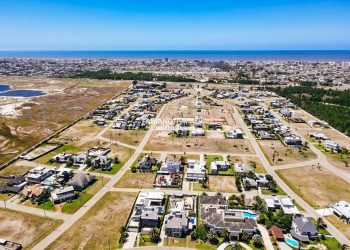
(145, 241)
(277, 218)
(277, 191)
(71, 207)
(67, 148)
(330, 105)
(140, 76)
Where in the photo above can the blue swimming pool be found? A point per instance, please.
(292, 242)
(250, 215)
(4, 87)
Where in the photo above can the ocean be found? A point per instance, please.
(225, 55)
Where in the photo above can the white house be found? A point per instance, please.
(170, 167)
(217, 166)
(196, 171)
(282, 202)
(234, 134)
(331, 145)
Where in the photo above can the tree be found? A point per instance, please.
(213, 237)
(245, 237)
(237, 246)
(257, 240)
(116, 160)
(155, 235)
(224, 233)
(320, 223)
(201, 232)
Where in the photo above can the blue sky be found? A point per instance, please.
(178, 24)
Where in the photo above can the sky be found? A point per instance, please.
(174, 24)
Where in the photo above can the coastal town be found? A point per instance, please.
(269, 72)
(164, 164)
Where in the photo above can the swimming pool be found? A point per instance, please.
(22, 93)
(291, 242)
(248, 214)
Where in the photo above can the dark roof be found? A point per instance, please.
(213, 200)
(81, 180)
(304, 225)
(303, 238)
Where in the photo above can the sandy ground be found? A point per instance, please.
(249, 160)
(131, 137)
(285, 155)
(222, 184)
(35, 118)
(100, 225)
(136, 180)
(341, 225)
(318, 188)
(25, 229)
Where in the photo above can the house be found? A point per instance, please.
(81, 158)
(176, 224)
(303, 229)
(35, 193)
(38, 174)
(216, 166)
(147, 211)
(342, 210)
(196, 171)
(62, 158)
(214, 125)
(286, 112)
(147, 162)
(243, 168)
(14, 185)
(63, 194)
(293, 141)
(197, 132)
(103, 162)
(234, 134)
(234, 221)
(249, 183)
(331, 145)
(277, 233)
(9, 245)
(170, 167)
(214, 201)
(282, 202)
(261, 180)
(81, 181)
(318, 136)
(100, 121)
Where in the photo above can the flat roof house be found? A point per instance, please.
(176, 224)
(196, 171)
(282, 202)
(63, 194)
(342, 210)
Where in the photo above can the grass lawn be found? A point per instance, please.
(26, 229)
(316, 187)
(15, 169)
(269, 192)
(68, 148)
(136, 180)
(113, 171)
(5, 197)
(210, 158)
(100, 225)
(47, 205)
(205, 246)
(145, 241)
(198, 187)
(72, 206)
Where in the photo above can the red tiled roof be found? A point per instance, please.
(277, 232)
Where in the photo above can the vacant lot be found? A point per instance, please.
(222, 184)
(100, 225)
(136, 180)
(26, 229)
(317, 187)
(131, 137)
(162, 141)
(26, 121)
(284, 154)
(340, 225)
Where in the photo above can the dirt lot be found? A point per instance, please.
(22, 119)
(99, 225)
(136, 180)
(161, 141)
(284, 155)
(26, 229)
(340, 225)
(222, 184)
(318, 188)
(131, 137)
